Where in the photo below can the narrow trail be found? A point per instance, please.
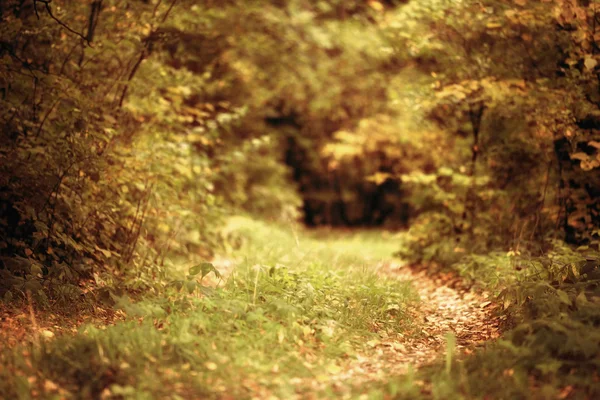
(444, 309)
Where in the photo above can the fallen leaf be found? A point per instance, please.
(47, 334)
(590, 62)
(50, 386)
(211, 366)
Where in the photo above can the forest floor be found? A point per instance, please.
(321, 314)
(449, 312)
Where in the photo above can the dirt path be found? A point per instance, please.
(444, 308)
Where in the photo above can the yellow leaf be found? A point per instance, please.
(47, 334)
(106, 253)
(334, 369)
(375, 5)
(579, 156)
(211, 366)
(590, 62)
(494, 25)
(594, 143)
(50, 386)
(588, 165)
(307, 331)
(563, 297)
(581, 300)
(379, 177)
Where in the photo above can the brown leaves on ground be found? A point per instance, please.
(445, 308)
(21, 323)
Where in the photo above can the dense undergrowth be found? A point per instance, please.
(290, 311)
(550, 348)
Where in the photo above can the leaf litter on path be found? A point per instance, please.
(445, 308)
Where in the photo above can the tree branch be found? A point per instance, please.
(168, 11)
(65, 26)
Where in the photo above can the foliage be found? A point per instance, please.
(130, 130)
(553, 348)
(523, 126)
(286, 311)
(103, 175)
(509, 117)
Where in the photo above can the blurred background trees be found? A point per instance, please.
(130, 127)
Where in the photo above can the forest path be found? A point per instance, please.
(445, 307)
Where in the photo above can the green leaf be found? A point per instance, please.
(8, 296)
(178, 284)
(35, 270)
(581, 300)
(195, 270)
(191, 286)
(206, 290)
(563, 296)
(33, 285)
(205, 268)
(548, 367)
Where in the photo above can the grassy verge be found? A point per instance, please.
(291, 311)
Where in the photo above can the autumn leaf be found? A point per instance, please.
(564, 297)
(376, 5)
(590, 62)
(379, 177)
(579, 156)
(594, 144)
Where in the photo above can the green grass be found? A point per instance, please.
(293, 310)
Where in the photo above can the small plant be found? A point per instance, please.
(191, 282)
